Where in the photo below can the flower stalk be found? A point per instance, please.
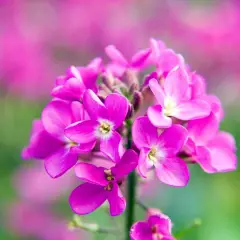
(131, 186)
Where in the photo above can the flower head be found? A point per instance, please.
(105, 119)
(102, 184)
(157, 227)
(160, 151)
(174, 100)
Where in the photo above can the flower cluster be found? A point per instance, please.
(108, 120)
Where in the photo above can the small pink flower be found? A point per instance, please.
(157, 227)
(102, 184)
(213, 150)
(120, 64)
(174, 100)
(160, 151)
(105, 118)
(49, 142)
(77, 80)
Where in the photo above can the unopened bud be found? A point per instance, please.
(137, 100)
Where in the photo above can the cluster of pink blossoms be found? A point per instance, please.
(107, 120)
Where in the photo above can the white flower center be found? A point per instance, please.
(169, 106)
(104, 129)
(155, 155)
(69, 143)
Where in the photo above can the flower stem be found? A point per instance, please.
(131, 187)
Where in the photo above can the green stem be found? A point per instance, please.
(131, 187)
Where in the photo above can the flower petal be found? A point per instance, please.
(71, 90)
(111, 146)
(127, 164)
(143, 164)
(173, 139)
(174, 172)
(176, 84)
(116, 201)
(223, 160)
(162, 222)
(204, 159)
(157, 90)
(157, 118)
(42, 144)
(141, 231)
(203, 130)
(144, 133)
(117, 107)
(93, 105)
(139, 59)
(192, 110)
(90, 173)
(86, 198)
(58, 163)
(56, 116)
(115, 55)
(81, 132)
(223, 140)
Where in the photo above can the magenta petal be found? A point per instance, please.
(157, 91)
(93, 105)
(117, 107)
(83, 147)
(82, 132)
(223, 160)
(176, 84)
(144, 133)
(203, 130)
(42, 144)
(144, 164)
(116, 201)
(90, 173)
(139, 59)
(58, 163)
(157, 118)
(223, 140)
(78, 112)
(141, 231)
(192, 110)
(127, 164)
(111, 146)
(204, 159)
(168, 60)
(162, 222)
(86, 198)
(174, 172)
(115, 55)
(56, 116)
(173, 139)
(71, 90)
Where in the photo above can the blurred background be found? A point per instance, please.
(39, 39)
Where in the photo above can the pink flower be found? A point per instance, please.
(120, 64)
(174, 100)
(213, 150)
(160, 151)
(77, 80)
(105, 118)
(157, 227)
(49, 142)
(102, 184)
(34, 185)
